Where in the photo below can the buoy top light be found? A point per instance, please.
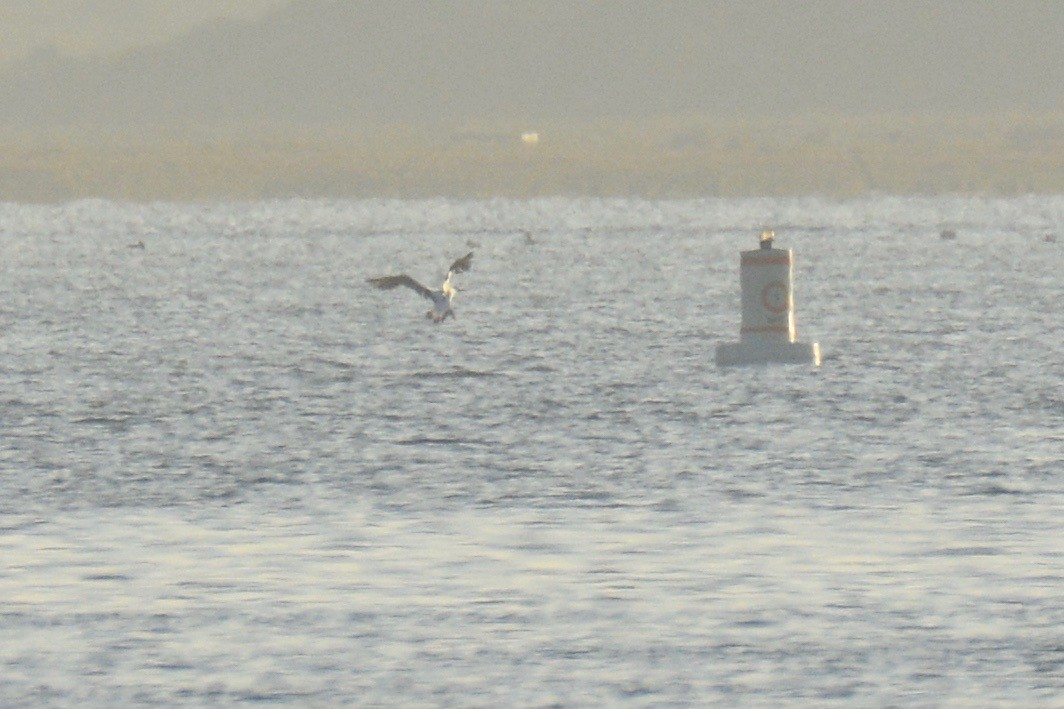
(766, 238)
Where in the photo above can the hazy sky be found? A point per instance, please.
(90, 26)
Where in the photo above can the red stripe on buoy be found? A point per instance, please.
(759, 260)
(767, 328)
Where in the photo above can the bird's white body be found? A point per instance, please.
(441, 299)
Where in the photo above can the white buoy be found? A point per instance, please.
(767, 334)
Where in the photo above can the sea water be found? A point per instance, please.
(231, 471)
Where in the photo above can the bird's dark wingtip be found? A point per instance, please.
(463, 263)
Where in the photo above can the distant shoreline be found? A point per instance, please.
(667, 158)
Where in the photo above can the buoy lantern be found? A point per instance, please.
(767, 333)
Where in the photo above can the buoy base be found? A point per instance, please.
(742, 353)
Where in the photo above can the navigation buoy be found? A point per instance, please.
(767, 334)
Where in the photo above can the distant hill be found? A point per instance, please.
(358, 62)
(351, 98)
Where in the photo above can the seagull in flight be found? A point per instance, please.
(441, 299)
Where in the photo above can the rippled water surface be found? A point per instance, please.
(232, 472)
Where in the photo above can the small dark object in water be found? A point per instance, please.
(137, 245)
(1050, 238)
(948, 234)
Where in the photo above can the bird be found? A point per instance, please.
(441, 299)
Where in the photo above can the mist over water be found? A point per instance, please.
(231, 471)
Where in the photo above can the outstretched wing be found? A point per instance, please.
(462, 265)
(389, 282)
